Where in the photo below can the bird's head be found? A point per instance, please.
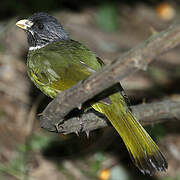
(42, 29)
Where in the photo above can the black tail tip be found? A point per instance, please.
(152, 164)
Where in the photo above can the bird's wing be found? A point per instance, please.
(60, 65)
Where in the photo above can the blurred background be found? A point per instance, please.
(109, 28)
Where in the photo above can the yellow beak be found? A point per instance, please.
(24, 24)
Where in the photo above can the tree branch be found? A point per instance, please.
(135, 59)
(147, 114)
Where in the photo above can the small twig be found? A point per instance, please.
(135, 59)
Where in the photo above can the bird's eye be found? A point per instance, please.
(40, 26)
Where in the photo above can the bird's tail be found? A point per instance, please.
(142, 149)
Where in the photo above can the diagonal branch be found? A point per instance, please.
(128, 63)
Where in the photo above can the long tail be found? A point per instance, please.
(142, 149)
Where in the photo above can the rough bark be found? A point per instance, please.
(136, 59)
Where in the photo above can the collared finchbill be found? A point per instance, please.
(56, 62)
(24, 24)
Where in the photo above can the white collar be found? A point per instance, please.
(36, 47)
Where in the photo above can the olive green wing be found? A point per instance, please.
(60, 65)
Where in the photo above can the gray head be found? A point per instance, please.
(41, 29)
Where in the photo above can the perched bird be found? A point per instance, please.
(56, 62)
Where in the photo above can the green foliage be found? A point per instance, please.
(107, 17)
(170, 178)
(2, 114)
(36, 143)
(157, 131)
(17, 166)
(98, 158)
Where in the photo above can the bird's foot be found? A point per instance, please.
(87, 133)
(59, 128)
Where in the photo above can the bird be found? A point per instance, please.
(55, 62)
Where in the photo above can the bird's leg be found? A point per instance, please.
(59, 127)
(79, 117)
(87, 134)
(80, 122)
